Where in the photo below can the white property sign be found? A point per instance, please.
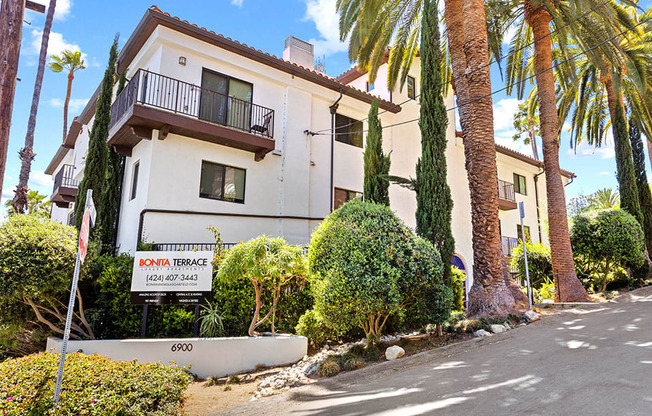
(171, 277)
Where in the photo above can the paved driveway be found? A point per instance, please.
(596, 360)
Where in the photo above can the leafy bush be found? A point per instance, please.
(93, 385)
(328, 368)
(37, 259)
(264, 262)
(312, 326)
(605, 240)
(459, 279)
(365, 265)
(539, 263)
(546, 291)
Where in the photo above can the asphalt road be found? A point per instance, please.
(594, 360)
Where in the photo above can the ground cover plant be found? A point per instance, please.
(93, 385)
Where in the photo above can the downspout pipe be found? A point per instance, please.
(333, 110)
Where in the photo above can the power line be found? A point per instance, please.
(584, 52)
(583, 15)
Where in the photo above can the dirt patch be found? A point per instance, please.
(213, 394)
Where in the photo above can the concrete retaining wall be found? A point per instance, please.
(209, 357)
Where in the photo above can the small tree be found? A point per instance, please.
(605, 240)
(365, 265)
(265, 262)
(376, 164)
(37, 257)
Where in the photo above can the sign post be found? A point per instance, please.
(81, 255)
(521, 209)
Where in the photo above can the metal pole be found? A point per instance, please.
(66, 332)
(527, 269)
(71, 306)
(143, 324)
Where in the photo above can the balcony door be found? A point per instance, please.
(225, 100)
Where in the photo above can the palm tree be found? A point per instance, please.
(72, 61)
(605, 198)
(578, 22)
(37, 204)
(372, 25)
(527, 122)
(27, 153)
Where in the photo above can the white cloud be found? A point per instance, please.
(584, 149)
(61, 10)
(237, 3)
(504, 114)
(56, 44)
(74, 105)
(41, 179)
(323, 14)
(606, 173)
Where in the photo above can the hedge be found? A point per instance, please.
(93, 385)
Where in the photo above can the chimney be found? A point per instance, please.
(299, 52)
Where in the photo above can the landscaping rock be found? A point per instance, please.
(531, 316)
(481, 333)
(394, 352)
(497, 329)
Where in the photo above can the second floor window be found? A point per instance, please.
(225, 100)
(370, 86)
(222, 182)
(519, 184)
(344, 195)
(134, 180)
(519, 233)
(411, 87)
(348, 130)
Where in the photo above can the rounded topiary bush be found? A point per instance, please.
(92, 385)
(365, 264)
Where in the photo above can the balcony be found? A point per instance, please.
(152, 101)
(508, 244)
(65, 187)
(506, 196)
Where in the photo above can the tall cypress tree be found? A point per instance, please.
(625, 173)
(110, 199)
(376, 164)
(644, 193)
(434, 201)
(96, 158)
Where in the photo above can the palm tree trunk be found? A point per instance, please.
(27, 153)
(533, 141)
(71, 76)
(567, 286)
(493, 291)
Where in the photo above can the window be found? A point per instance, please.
(224, 183)
(519, 184)
(348, 130)
(411, 87)
(225, 100)
(370, 86)
(519, 233)
(343, 195)
(134, 180)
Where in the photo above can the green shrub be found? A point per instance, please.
(311, 325)
(605, 240)
(352, 363)
(357, 350)
(365, 265)
(546, 291)
(539, 263)
(92, 385)
(37, 259)
(328, 368)
(371, 353)
(459, 282)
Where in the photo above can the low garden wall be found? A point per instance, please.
(208, 357)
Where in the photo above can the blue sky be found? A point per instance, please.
(90, 26)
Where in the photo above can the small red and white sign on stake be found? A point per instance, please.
(87, 220)
(83, 236)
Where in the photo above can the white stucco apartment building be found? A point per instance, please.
(217, 133)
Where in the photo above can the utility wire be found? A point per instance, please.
(583, 15)
(584, 52)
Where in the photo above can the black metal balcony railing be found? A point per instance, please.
(506, 191)
(156, 90)
(189, 246)
(65, 178)
(508, 244)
